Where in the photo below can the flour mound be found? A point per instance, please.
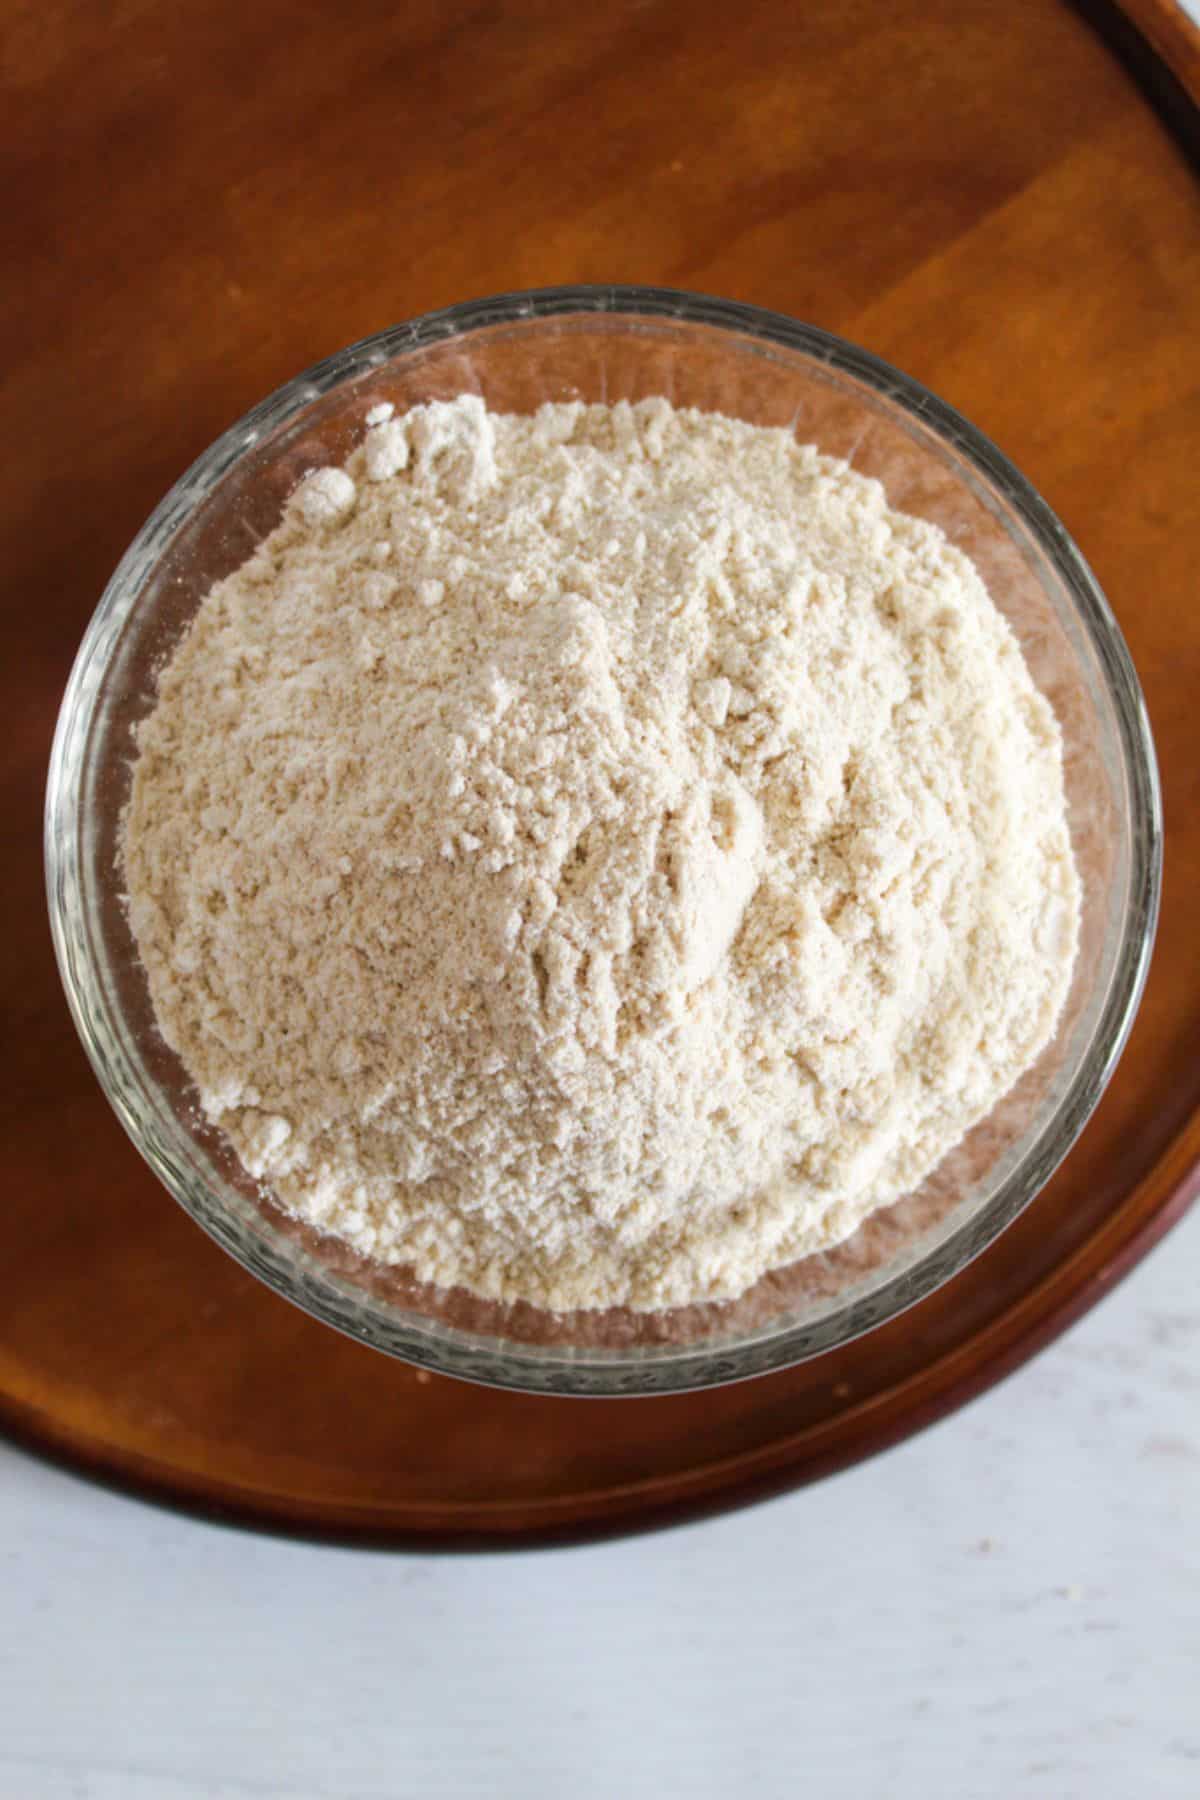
(598, 857)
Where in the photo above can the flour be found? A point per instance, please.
(599, 857)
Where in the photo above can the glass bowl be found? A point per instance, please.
(609, 343)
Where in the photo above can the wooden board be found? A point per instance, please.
(202, 199)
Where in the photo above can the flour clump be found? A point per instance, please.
(598, 857)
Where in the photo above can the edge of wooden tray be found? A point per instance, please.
(1153, 1206)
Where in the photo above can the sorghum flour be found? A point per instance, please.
(598, 857)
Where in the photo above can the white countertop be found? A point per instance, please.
(1007, 1605)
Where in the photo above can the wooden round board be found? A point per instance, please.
(205, 198)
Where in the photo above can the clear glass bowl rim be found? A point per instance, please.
(558, 1369)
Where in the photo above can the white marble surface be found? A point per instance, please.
(1009, 1605)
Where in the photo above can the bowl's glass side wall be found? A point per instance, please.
(211, 523)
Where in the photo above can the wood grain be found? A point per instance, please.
(201, 199)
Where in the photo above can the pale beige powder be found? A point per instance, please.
(596, 858)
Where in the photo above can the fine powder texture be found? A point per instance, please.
(597, 857)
